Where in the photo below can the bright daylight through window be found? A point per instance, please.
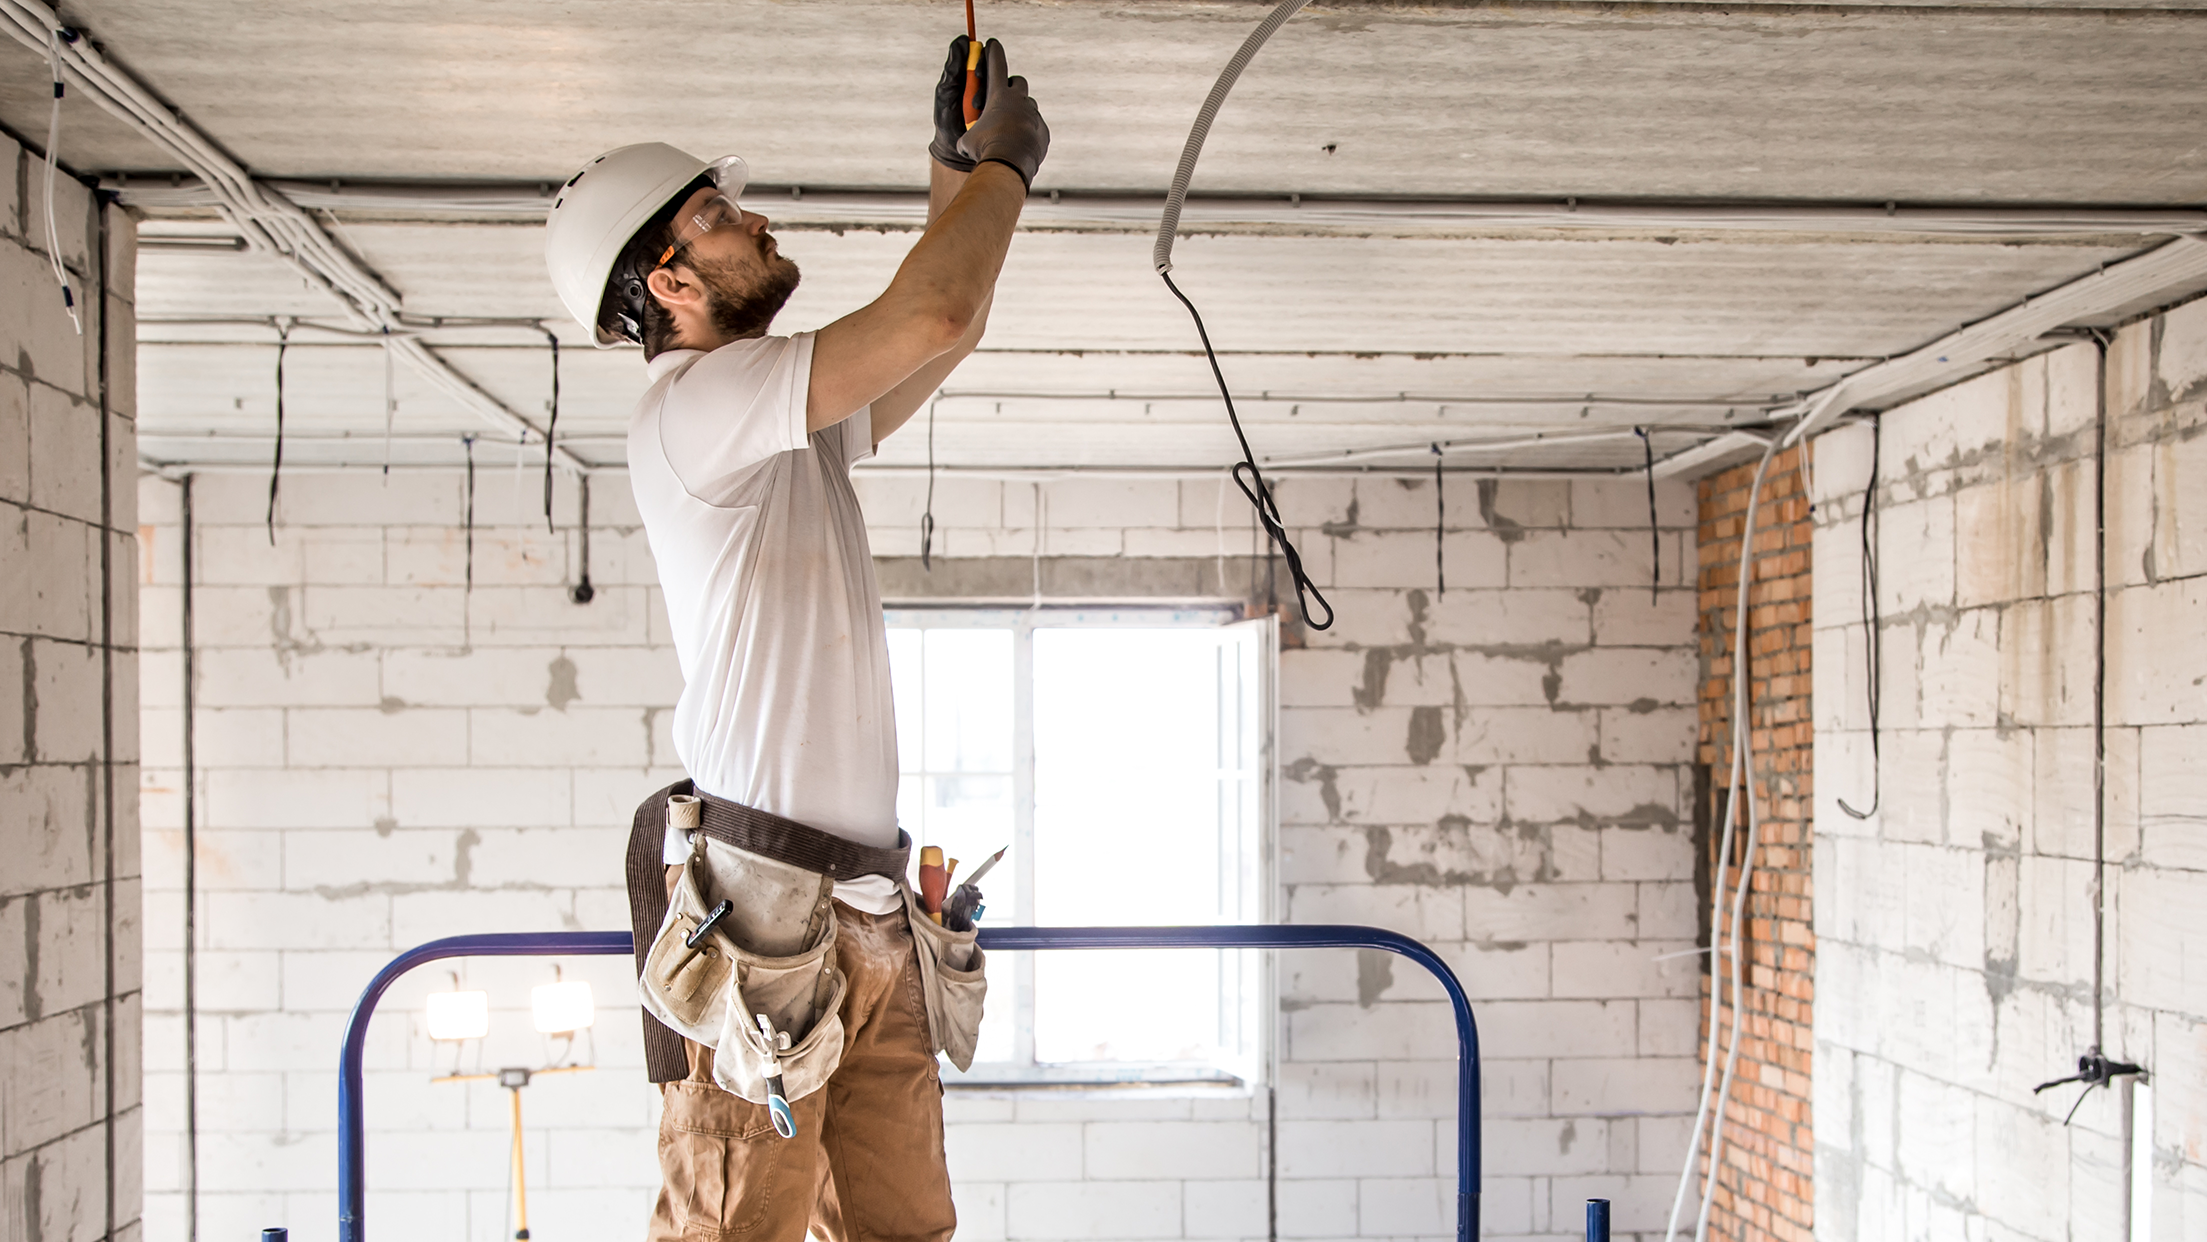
(1119, 753)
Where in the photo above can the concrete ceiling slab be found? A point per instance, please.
(1334, 342)
(1764, 101)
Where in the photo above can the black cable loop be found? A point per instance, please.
(1252, 486)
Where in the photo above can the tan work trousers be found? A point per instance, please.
(867, 1162)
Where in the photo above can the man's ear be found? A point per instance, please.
(673, 291)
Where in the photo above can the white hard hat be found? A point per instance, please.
(604, 205)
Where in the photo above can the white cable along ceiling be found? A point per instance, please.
(268, 222)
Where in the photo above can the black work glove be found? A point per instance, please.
(950, 111)
(1011, 130)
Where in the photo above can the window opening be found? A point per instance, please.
(1122, 754)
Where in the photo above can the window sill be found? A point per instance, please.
(1116, 1080)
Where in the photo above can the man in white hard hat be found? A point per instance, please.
(740, 455)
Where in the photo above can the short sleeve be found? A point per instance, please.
(858, 436)
(736, 407)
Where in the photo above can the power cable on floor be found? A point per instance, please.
(1655, 527)
(551, 430)
(276, 466)
(1872, 623)
(1246, 474)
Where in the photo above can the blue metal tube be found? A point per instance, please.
(352, 1186)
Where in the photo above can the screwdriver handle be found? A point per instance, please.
(973, 81)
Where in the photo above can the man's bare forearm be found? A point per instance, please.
(951, 271)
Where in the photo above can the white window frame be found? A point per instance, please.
(1253, 1003)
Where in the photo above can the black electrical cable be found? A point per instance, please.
(191, 885)
(1252, 485)
(583, 592)
(1440, 527)
(927, 519)
(1872, 622)
(1655, 529)
(551, 428)
(276, 467)
(469, 441)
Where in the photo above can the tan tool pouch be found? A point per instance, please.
(772, 953)
(953, 979)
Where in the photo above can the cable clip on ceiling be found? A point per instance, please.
(1246, 474)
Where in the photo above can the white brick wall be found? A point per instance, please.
(1954, 928)
(69, 880)
(386, 759)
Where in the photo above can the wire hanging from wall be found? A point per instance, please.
(1440, 528)
(551, 431)
(583, 592)
(1655, 527)
(927, 516)
(1872, 624)
(54, 36)
(276, 466)
(390, 406)
(469, 519)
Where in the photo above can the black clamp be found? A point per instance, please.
(2093, 1070)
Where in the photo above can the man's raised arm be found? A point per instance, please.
(941, 291)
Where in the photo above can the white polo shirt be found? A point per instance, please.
(770, 590)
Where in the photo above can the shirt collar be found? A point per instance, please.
(658, 367)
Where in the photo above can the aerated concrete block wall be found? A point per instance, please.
(1955, 926)
(1503, 771)
(69, 892)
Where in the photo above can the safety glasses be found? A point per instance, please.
(728, 175)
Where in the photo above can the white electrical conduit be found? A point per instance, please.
(53, 147)
(269, 222)
(1741, 781)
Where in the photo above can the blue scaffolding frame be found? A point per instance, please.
(352, 1185)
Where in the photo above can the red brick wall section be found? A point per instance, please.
(1765, 1186)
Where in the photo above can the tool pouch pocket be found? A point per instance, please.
(771, 952)
(953, 978)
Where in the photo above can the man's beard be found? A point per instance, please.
(743, 307)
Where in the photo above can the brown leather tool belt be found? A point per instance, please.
(746, 828)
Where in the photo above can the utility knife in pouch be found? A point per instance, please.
(771, 952)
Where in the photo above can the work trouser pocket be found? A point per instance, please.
(954, 981)
(770, 952)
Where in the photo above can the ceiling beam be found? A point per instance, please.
(1284, 213)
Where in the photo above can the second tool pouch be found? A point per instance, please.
(953, 979)
(770, 951)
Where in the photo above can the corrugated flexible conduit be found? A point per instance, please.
(1742, 780)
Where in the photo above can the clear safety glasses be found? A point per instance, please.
(728, 174)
